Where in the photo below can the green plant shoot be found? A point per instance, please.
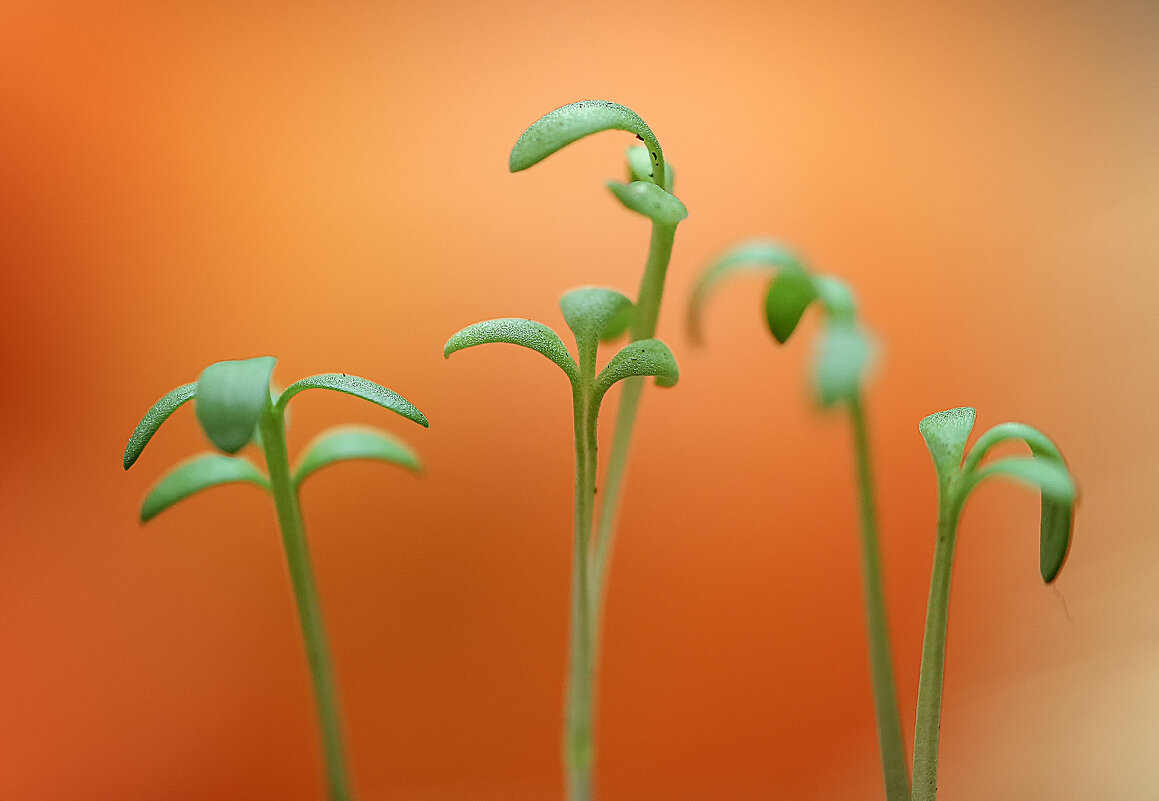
(590, 313)
(838, 378)
(945, 434)
(235, 405)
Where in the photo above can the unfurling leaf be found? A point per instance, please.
(354, 442)
(565, 125)
(760, 256)
(516, 331)
(945, 434)
(231, 397)
(789, 295)
(644, 197)
(645, 357)
(153, 420)
(196, 474)
(359, 388)
(591, 311)
(842, 359)
(640, 167)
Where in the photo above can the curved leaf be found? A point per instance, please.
(516, 331)
(643, 357)
(1055, 529)
(359, 388)
(640, 167)
(837, 298)
(842, 359)
(645, 197)
(153, 420)
(565, 125)
(945, 434)
(789, 295)
(196, 474)
(1049, 476)
(763, 256)
(1039, 443)
(231, 397)
(590, 311)
(343, 443)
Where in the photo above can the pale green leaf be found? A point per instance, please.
(516, 331)
(837, 298)
(231, 397)
(640, 167)
(644, 197)
(590, 311)
(945, 434)
(359, 388)
(1049, 476)
(789, 295)
(645, 357)
(343, 443)
(842, 359)
(153, 420)
(196, 474)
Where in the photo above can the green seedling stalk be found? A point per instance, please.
(273, 440)
(893, 756)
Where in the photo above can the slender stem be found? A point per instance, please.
(893, 758)
(579, 724)
(306, 594)
(644, 319)
(929, 714)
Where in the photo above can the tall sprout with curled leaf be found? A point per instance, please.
(648, 192)
(838, 378)
(591, 313)
(235, 404)
(945, 434)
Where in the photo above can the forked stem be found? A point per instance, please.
(273, 439)
(889, 736)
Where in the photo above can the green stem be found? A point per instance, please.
(644, 319)
(929, 713)
(579, 723)
(893, 759)
(306, 594)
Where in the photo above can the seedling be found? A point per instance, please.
(236, 404)
(591, 313)
(838, 378)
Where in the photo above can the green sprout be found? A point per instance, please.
(838, 378)
(591, 313)
(945, 434)
(234, 405)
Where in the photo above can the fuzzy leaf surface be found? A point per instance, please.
(590, 311)
(759, 256)
(343, 443)
(359, 388)
(153, 419)
(645, 357)
(561, 127)
(195, 475)
(516, 331)
(645, 197)
(789, 295)
(945, 434)
(231, 397)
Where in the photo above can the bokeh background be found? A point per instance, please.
(183, 183)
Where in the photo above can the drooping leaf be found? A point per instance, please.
(619, 324)
(342, 443)
(789, 295)
(153, 420)
(565, 125)
(1055, 530)
(196, 474)
(516, 331)
(640, 167)
(644, 357)
(1038, 443)
(644, 197)
(837, 298)
(945, 434)
(761, 256)
(842, 358)
(590, 311)
(231, 397)
(359, 388)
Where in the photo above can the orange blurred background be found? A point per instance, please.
(184, 183)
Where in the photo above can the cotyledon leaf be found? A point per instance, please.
(359, 388)
(343, 443)
(842, 358)
(153, 420)
(640, 167)
(591, 310)
(837, 298)
(1051, 477)
(789, 295)
(762, 256)
(196, 474)
(644, 197)
(644, 357)
(516, 331)
(231, 396)
(945, 434)
(561, 127)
